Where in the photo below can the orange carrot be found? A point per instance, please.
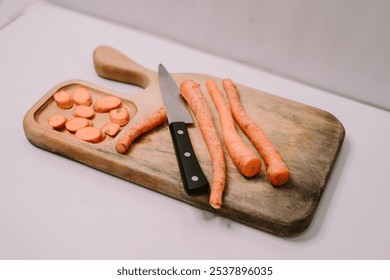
(277, 171)
(76, 123)
(83, 111)
(145, 125)
(107, 103)
(242, 156)
(120, 116)
(197, 102)
(110, 128)
(81, 96)
(90, 134)
(57, 122)
(63, 99)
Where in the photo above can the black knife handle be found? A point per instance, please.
(194, 180)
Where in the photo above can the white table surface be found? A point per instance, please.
(55, 208)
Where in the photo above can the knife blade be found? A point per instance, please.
(194, 180)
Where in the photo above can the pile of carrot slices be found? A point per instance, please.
(81, 124)
(230, 111)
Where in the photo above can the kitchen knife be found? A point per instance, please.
(194, 180)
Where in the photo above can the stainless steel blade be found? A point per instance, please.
(177, 110)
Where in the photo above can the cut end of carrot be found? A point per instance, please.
(106, 104)
(111, 129)
(76, 123)
(90, 134)
(120, 116)
(57, 122)
(251, 167)
(279, 178)
(84, 111)
(63, 99)
(81, 96)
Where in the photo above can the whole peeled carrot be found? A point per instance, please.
(198, 104)
(242, 156)
(145, 125)
(277, 171)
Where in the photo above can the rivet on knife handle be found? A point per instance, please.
(194, 180)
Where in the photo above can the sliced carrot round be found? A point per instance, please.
(120, 116)
(110, 128)
(57, 122)
(81, 96)
(75, 124)
(106, 104)
(63, 99)
(83, 111)
(90, 134)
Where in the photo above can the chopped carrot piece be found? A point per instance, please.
(111, 129)
(120, 116)
(247, 162)
(145, 125)
(63, 99)
(81, 96)
(276, 168)
(57, 122)
(90, 134)
(83, 111)
(198, 104)
(106, 104)
(76, 123)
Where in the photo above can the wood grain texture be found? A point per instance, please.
(309, 140)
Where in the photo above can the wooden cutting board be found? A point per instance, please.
(309, 139)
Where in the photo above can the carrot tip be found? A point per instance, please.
(215, 206)
(120, 148)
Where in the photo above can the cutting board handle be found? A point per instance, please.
(111, 64)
